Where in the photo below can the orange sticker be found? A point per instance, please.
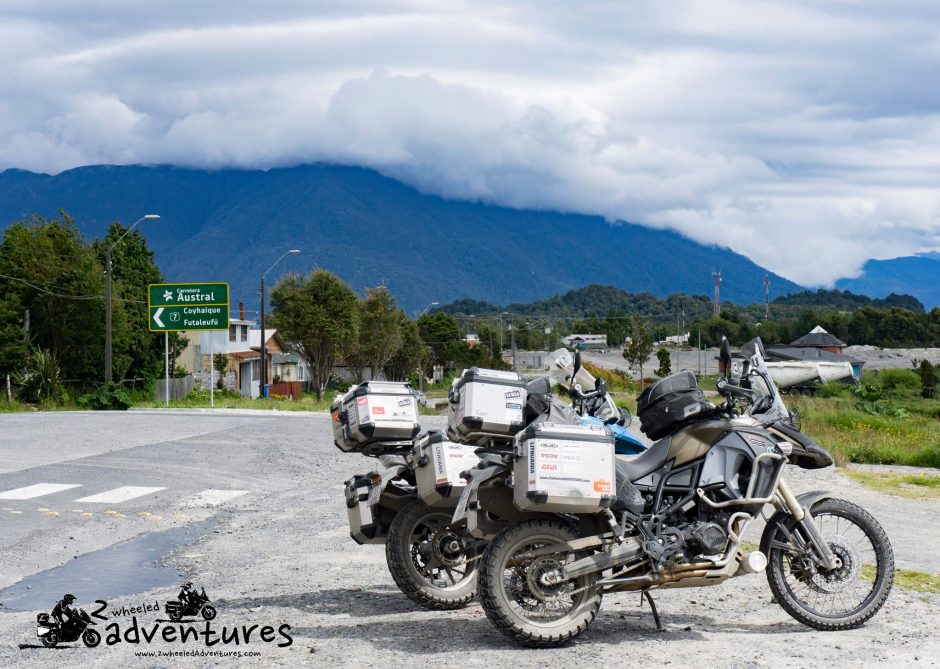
(336, 416)
(378, 411)
(601, 486)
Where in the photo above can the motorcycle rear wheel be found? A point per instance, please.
(841, 599)
(91, 638)
(509, 584)
(175, 614)
(427, 558)
(50, 639)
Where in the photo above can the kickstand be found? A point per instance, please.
(649, 598)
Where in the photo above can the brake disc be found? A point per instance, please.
(837, 580)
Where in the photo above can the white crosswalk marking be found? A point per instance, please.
(212, 497)
(38, 490)
(119, 495)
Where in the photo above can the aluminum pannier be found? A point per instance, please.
(438, 464)
(564, 468)
(486, 404)
(375, 417)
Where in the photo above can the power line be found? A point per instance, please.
(50, 292)
(41, 289)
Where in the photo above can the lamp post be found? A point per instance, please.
(264, 363)
(107, 297)
(425, 310)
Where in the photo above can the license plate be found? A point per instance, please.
(464, 500)
(374, 494)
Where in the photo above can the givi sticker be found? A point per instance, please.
(601, 486)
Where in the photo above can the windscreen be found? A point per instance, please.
(769, 405)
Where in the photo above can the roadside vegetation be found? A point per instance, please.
(910, 485)
(885, 420)
(230, 400)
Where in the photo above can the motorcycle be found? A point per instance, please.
(51, 632)
(199, 606)
(677, 518)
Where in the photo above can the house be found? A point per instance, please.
(815, 346)
(242, 345)
(586, 342)
(819, 338)
(289, 367)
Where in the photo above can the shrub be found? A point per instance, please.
(929, 379)
(899, 381)
(833, 389)
(107, 397)
(40, 380)
(665, 368)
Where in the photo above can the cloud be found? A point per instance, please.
(804, 135)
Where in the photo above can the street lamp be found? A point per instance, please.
(264, 366)
(424, 311)
(107, 296)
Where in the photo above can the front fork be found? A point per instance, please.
(803, 517)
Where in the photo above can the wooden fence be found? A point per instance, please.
(178, 387)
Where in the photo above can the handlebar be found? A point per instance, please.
(728, 389)
(575, 392)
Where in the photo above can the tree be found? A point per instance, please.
(220, 363)
(380, 333)
(319, 316)
(412, 354)
(440, 333)
(665, 368)
(641, 345)
(58, 280)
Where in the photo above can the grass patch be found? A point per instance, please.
(908, 579)
(853, 435)
(198, 400)
(912, 486)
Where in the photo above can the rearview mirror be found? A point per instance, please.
(724, 357)
(577, 364)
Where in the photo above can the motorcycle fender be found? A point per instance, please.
(806, 500)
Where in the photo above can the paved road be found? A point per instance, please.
(123, 507)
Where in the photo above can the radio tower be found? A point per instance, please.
(717, 277)
(766, 297)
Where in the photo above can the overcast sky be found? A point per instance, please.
(805, 135)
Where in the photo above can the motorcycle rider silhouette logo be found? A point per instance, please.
(66, 624)
(190, 603)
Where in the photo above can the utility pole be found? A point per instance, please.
(512, 336)
(264, 366)
(766, 297)
(717, 300)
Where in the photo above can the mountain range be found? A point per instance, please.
(231, 225)
(916, 275)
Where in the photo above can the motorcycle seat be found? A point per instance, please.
(635, 468)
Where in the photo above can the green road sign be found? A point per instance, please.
(188, 306)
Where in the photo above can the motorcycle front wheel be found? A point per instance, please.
(429, 560)
(208, 612)
(50, 639)
(838, 599)
(531, 610)
(91, 638)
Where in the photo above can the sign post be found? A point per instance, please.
(175, 307)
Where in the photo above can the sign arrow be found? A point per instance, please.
(156, 317)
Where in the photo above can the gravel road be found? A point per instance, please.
(285, 557)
